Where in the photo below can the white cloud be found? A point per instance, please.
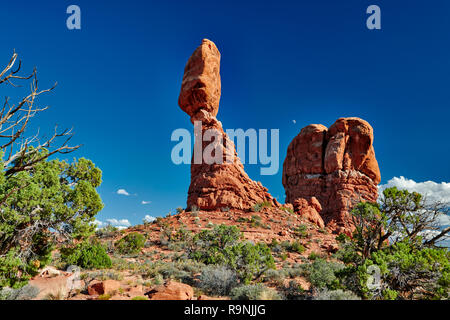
(294, 121)
(119, 223)
(98, 223)
(149, 218)
(123, 192)
(145, 202)
(432, 190)
(444, 220)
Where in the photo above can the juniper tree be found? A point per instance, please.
(42, 200)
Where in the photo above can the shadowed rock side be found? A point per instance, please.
(336, 165)
(214, 186)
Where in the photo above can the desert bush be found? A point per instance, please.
(132, 243)
(217, 280)
(87, 255)
(26, 292)
(410, 265)
(287, 209)
(405, 272)
(338, 294)
(294, 246)
(301, 231)
(293, 291)
(274, 275)
(221, 246)
(254, 292)
(261, 205)
(322, 273)
(107, 231)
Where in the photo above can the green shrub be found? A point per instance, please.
(287, 209)
(254, 292)
(139, 298)
(277, 276)
(260, 205)
(104, 297)
(313, 256)
(322, 274)
(301, 231)
(132, 243)
(410, 272)
(86, 255)
(294, 246)
(221, 246)
(10, 267)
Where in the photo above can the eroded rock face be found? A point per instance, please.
(214, 184)
(336, 165)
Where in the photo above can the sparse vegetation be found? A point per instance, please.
(132, 243)
(221, 246)
(261, 205)
(254, 292)
(217, 280)
(86, 255)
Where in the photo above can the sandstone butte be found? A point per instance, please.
(327, 171)
(214, 186)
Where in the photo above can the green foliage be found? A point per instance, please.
(179, 210)
(27, 292)
(137, 298)
(408, 266)
(132, 243)
(343, 238)
(413, 273)
(297, 247)
(52, 198)
(301, 231)
(313, 256)
(287, 209)
(10, 267)
(254, 292)
(249, 261)
(86, 255)
(104, 297)
(217, 280)
(338, 294)
(221, 246)
(261, 205)
(322, 274)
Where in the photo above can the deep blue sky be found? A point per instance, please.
(310, 61)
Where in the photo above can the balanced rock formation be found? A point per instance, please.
(336, 165)
(218, 179)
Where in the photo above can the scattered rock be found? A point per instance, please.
(171, 290)
(103, 287)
